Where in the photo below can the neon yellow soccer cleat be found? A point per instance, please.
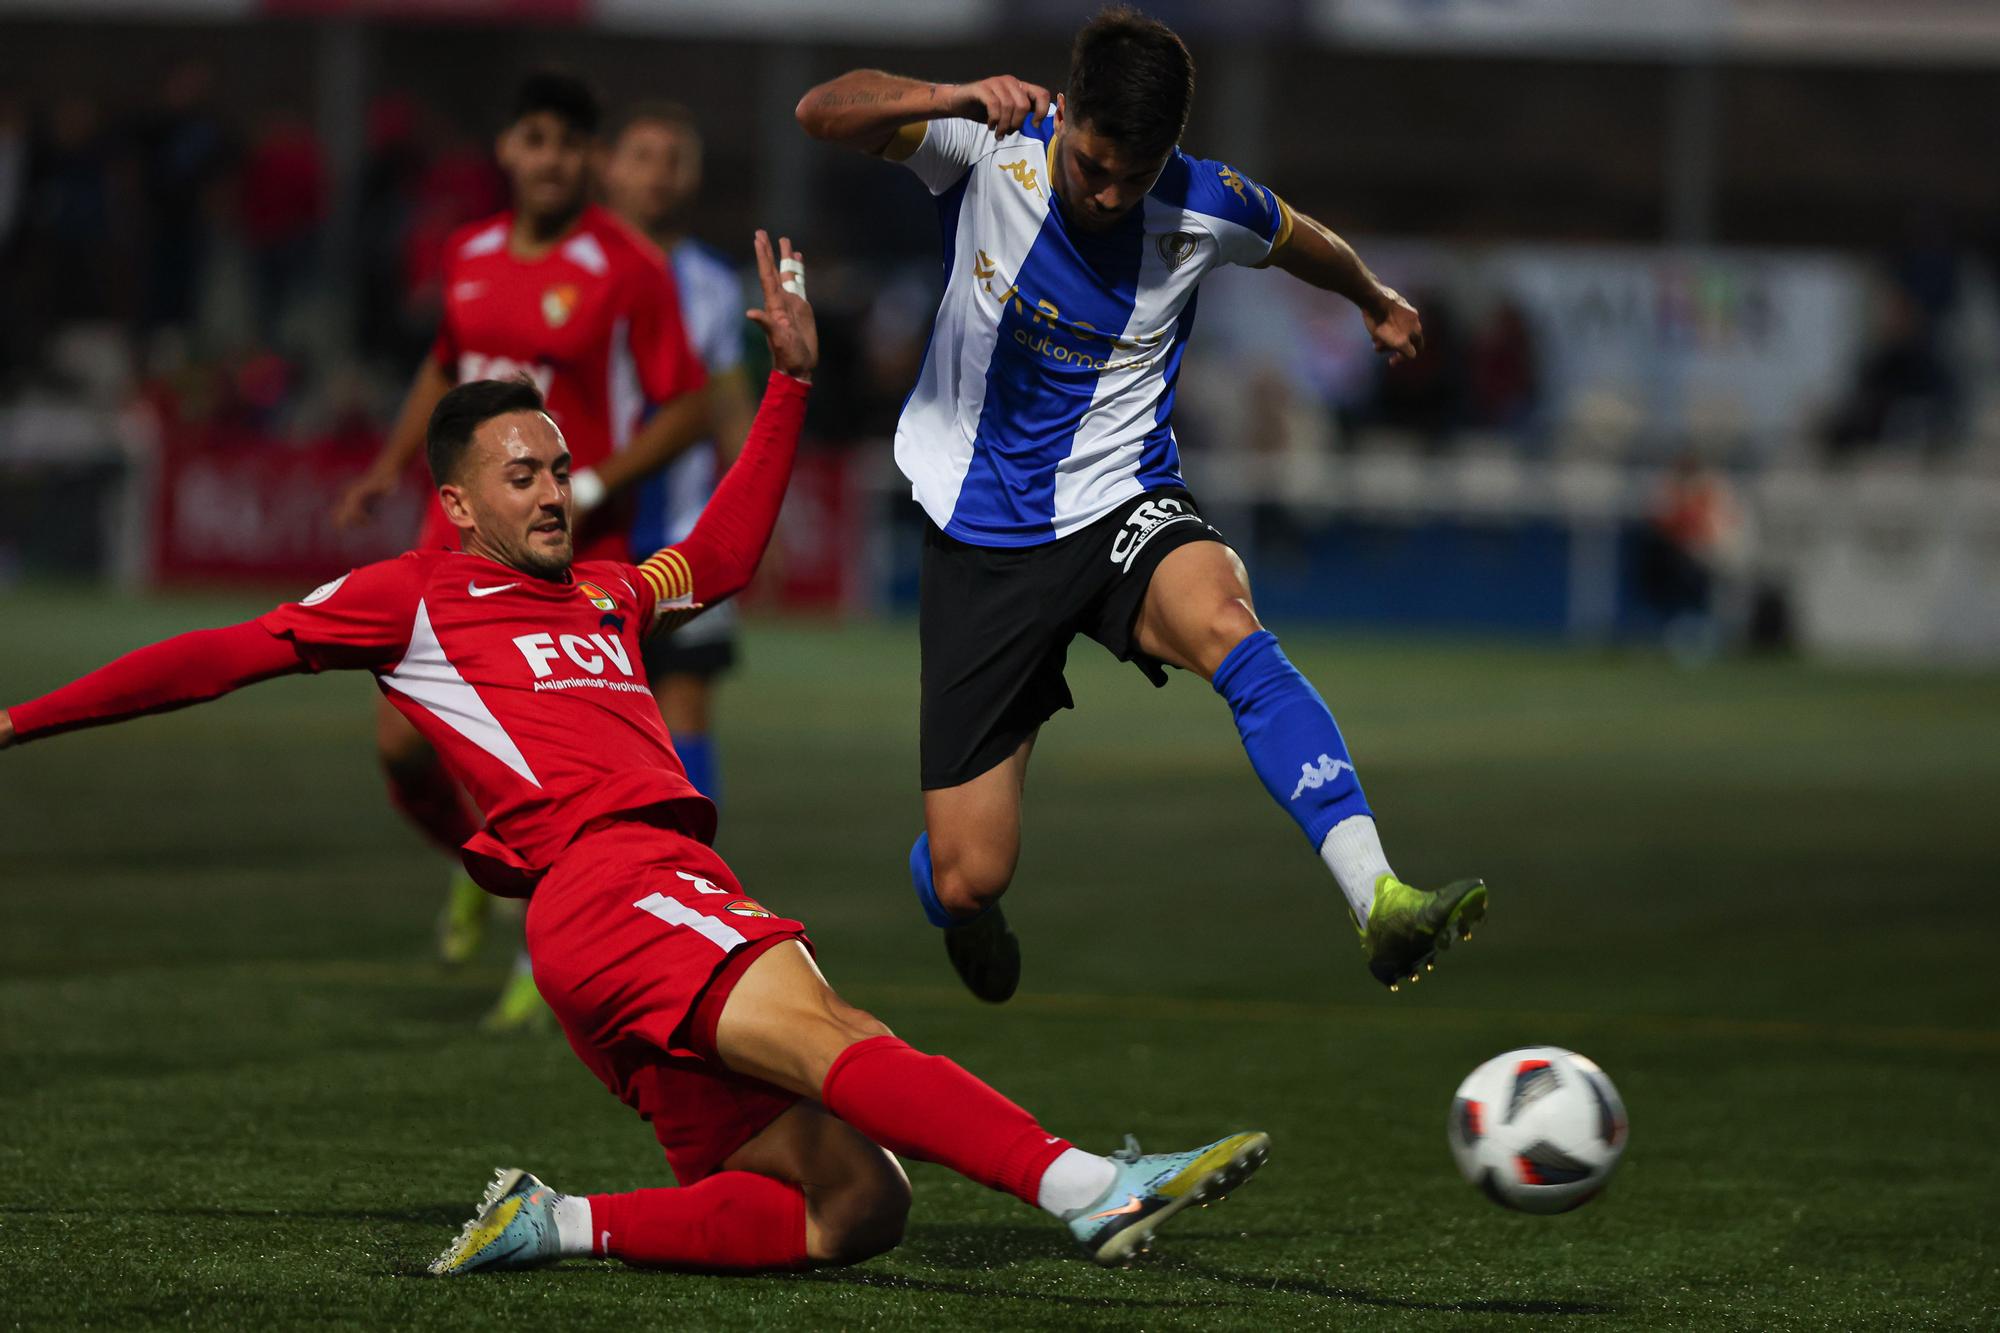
(520, 1007)
(1408, 927)
(462, 921)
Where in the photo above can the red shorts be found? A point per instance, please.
(638, 934)
(605, 535)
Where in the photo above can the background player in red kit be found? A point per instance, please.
(777, 1103)
(561, 291)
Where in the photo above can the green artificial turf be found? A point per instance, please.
(235, 1091)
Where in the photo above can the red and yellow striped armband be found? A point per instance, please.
(667, 573)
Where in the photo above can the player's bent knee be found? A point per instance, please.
(863, 1219)
(1227, 625)
(968, 886)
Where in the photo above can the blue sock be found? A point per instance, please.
(920, 875)
(1290, 736)
(697, 752)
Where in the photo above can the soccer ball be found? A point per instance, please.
(1540, 1129)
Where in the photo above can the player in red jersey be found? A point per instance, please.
(777, 1103)
(563, 292)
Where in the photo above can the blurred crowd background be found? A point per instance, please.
(1711, 288)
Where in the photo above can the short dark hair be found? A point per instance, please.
(1131, 80)
(658, 111)
(464, 410)
(562, 94)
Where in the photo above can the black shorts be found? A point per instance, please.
(996, 624)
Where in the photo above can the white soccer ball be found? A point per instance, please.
(1540, 1129)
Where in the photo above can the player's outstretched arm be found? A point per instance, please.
(1311, 251)
(864, 108)
(717, 559)
(357, 503)
(187, 669)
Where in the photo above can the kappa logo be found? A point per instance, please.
(1235, 182)
(1023, 174)
(558, 303)
(1176, 248)
(1314, 776)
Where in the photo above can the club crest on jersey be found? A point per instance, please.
(744, 907)
(598, 597)
(558, 303)
(1176, 248)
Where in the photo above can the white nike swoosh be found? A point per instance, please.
(478, 591)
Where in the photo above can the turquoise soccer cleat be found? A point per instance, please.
(1407, 927)
(1151, 1188)
(515, 1227)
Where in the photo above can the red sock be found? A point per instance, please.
(430, 798)
(926, 1107)
(734, 1221)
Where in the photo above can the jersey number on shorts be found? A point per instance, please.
(677, 913)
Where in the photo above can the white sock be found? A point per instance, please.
(1353, 852)
(1073, 1181)
(573, 1224)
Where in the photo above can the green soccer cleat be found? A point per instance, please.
(1149, 1189)
(520, 1007)
(515, 1227)
(1407, 928)
(462, 921)
(986, 955)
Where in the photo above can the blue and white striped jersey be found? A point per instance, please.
(1047, 392)
(712, 307)
(670, 500)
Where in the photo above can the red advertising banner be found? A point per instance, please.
(260, 512)
(814, 563)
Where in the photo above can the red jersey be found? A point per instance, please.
(533, 691)
(595, 323)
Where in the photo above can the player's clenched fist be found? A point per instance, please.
(1002, 102)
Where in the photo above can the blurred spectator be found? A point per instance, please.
(71, 264)
(459, 183)
(1696, 538)
(1426, 395)
(184, 152)
(281, 203)
(1904, 391)
(388, 185)
(1505, 378)
(13, 206)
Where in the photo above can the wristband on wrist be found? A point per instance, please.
(586, 492)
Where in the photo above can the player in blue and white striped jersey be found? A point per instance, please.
(651, 179)
(1039, 440)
